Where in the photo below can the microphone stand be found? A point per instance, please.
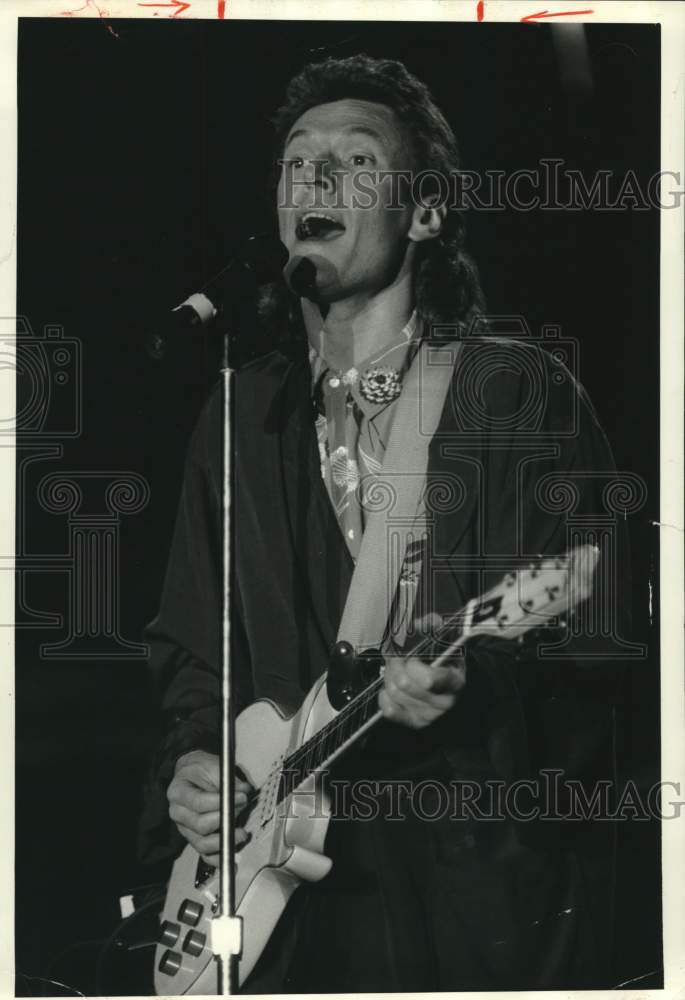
(226, 926)
(262, 258)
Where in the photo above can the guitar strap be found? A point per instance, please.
(394, 499)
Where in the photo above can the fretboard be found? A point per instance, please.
(355, 718)
(331, 740)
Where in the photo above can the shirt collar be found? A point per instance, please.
(395, 355)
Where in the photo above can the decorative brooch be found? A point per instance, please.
(380, 385)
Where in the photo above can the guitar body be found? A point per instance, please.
(285, 848)
(284, 759)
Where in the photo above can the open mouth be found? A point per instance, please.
(318, 226)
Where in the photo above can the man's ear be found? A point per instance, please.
(427, 222)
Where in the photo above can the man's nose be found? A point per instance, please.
(321, 175)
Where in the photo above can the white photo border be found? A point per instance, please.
(671, 16)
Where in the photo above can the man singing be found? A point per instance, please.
(453, 902)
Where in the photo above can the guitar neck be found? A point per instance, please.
(360, 714)
(332, 740)
(523, 600)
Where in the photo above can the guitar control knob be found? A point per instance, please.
(170, 962)
(343, 652)
(194, 943)
(189, 912)
(169, 933)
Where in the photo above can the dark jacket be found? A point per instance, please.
(529, 902)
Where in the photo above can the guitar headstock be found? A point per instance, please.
(533, 597)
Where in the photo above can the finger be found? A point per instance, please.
(430, 623)
(214, 860)
(243, 793)
(415, 716)
(205, 775)
(414, 684)
(448, 679)
(202, 824)
(189, 795)
(420, 676)
(209, 857)
(425, 705)
(203, 845)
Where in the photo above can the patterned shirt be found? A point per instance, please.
(353, 431)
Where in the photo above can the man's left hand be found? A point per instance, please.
(416, 693)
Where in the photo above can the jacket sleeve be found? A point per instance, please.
(538, 463)
(185, 636)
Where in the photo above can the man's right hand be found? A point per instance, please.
(194, 803)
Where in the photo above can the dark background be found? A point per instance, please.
(143, 152)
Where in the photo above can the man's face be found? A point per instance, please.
(322, 207)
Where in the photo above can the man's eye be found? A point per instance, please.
(296, 161)
(361, 159)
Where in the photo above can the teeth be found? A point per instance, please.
(319, 215)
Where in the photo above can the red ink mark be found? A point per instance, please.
(70, 13)
(480, 10)
(561, 13)
(180, 5)
(221, 11)
(90, 4)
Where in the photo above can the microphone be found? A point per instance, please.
(260, 260)
(301, 276)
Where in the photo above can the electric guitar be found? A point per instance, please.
(284, 760)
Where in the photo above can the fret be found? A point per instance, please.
(355, 719)
(311, 756)
(308, 757)
(347, 728)
(505, 606)
(330, 744)
(368, 710)
(320, 753)
(433, 645)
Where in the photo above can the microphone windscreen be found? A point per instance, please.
(302, 278)
(265, 256)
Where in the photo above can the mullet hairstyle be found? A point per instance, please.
(446, 283)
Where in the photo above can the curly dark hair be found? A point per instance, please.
(447, 286)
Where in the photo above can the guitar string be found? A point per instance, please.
(292, 768)
(362, 699)
(354, 711)
(315, 742)
(359, 704)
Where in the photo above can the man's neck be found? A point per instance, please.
(354, 330)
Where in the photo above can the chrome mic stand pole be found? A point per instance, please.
(226, 926)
